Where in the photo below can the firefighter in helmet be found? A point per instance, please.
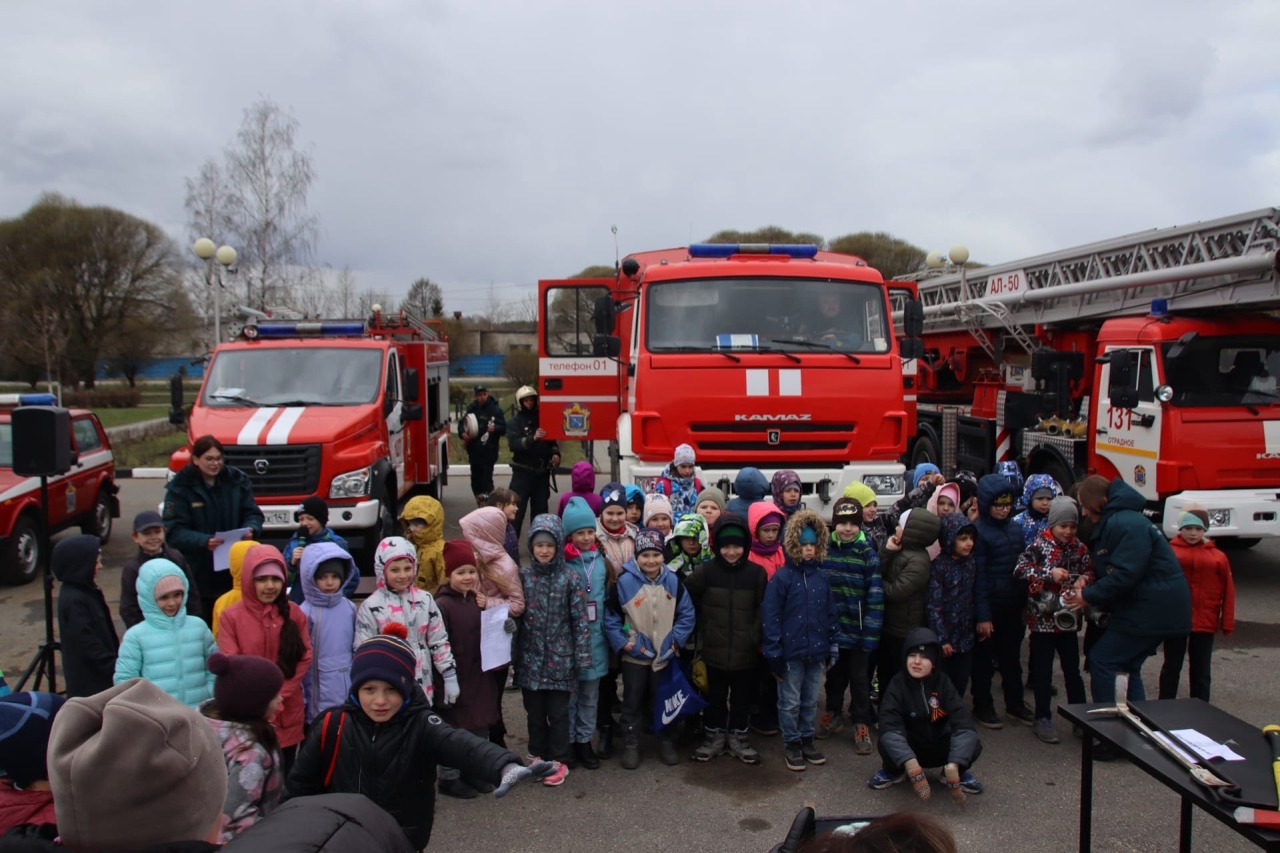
(533, 458)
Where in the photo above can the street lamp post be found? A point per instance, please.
(226, 257)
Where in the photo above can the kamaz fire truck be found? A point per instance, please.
(769, 356)
(355, 412)
(1153, 357)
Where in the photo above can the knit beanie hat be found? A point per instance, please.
(25, 722)
(542, 536)
(657, 505)
(684, 455)
(860, 492)
(648, 539)
(710, 493)
(269, 568)
(1198, 510)
(169, 583)
(732, 532)
(244, 685)
(613, 494)
(577, 516)
(386, 657)
(316, 508)
(1063, 510)
(1042, 492)
(808, 536)
(457, 553)
(846, 510)
(1186, 519)
(333, 566)
(132, 767)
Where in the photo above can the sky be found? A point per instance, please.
(490, 143)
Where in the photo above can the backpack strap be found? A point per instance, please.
(332, 763)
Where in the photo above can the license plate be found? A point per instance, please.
(279, 516)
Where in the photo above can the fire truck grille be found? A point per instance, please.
(288, 470)
(766, 447)
(787, 427)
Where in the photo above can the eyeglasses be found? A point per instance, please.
(212, 460)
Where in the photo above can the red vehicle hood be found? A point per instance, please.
(10, 480)
(276, 425)
(1245, 447)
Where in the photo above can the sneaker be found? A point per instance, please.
(883, 780)
(1022, 715)
(1044, 730)
(557, 776)
(823, 730)
(970, 785)
(988, 717)
(795, 757)
(837, 723)
(811, 753)
(862, 740)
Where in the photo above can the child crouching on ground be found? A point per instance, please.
(799, 623)
(925, 723)
(554, 643)
(1056, 561)
(388, 724)
(647, 620)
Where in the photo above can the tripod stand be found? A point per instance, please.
(44, 664)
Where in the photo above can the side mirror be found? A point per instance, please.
(604, 315)
(1177, 350)
(410, 412)
(913, 319)
(911, 348)
(409, 385)
(606, 346)
(1122, 387)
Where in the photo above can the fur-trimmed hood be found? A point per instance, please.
(791, 535)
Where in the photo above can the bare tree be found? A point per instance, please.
(370, 297)
(206, 204)
(424, 299)
(496, 311)
(525, 309)
(268, 180)
(346, 302)
(312, 295)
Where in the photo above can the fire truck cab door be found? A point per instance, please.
(393, 404)
(578, 384)
(1128, 434)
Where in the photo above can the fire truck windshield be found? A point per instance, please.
(306, 376)
(684, 316)
(1225, 371)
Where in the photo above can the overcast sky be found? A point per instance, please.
(485, 141)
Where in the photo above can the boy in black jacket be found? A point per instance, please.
(148, 535)
(387, 742)
(925, 723)
(89, 639)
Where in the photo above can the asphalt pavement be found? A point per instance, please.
(1031, 802)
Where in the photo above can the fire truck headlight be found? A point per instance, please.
(353, 484)
(1219, 518)
(1164, 394)
(884, 484)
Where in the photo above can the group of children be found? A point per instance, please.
(760, 602)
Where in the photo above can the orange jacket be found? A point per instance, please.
(1213, 592)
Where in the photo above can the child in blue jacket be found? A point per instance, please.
(312, 520)
(801, 626)
(950, 604)
(582, 555)
(168, 647)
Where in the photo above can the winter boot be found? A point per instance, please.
(630, 748)
(586, 756)
(741, 749)
(667, 750)
(604, 747)
(712, 745)
(457, 788)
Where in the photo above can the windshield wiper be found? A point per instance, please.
(817, 345)
(236, 398)
(295, 403)
(727, 355)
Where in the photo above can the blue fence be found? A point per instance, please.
(477, 365)
(157, 368)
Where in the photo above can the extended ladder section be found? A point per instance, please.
(1225, 263)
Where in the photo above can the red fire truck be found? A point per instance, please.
(84, 497)
(768, 356)
(355, 412)
(1152, 357)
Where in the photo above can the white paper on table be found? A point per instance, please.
(1176, 747)
(222, 554)
(1204, 746)
(495, 642)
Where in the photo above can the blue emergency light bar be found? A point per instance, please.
(726, 250)
(28, 400)
(296, 330)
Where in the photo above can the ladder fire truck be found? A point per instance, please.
(1153, 357)
(354, 411)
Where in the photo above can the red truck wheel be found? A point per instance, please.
(99, 521)
(22, 553)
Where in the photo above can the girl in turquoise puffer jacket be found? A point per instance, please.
(168, 648)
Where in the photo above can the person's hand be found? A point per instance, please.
(1080, 583)
(947, 650)
(555, 460)
(481, 599)
(951, 775)
(626, 650)
(214, 543)
(893, 543)
(833, 655)
(247, 535)
(513, 774)
(973, 510)
(1059, 575)
(451, 689)
(1073, 600)
(539, 434)
(985, 630)
(937, 479)
(466, 439)
(491, 426)
(297, 554)
(509, 626)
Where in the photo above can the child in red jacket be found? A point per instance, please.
(1213, 605)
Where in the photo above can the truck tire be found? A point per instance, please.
(385, 527)
(98, 523)
(615, 462)
(1059, 472)
(23, 553)
(925, 451)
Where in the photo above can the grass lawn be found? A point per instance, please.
(148, 453)
(120, 417)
